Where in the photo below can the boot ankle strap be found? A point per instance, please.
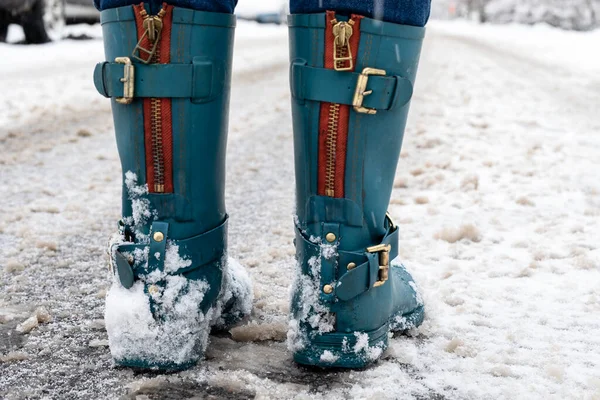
(200, 250)
(365, 270)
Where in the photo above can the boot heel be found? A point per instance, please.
(403, 322)
(343, 350)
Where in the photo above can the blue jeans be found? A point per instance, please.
(407, 12)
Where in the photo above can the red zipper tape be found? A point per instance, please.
(341, 142)
(166, 117)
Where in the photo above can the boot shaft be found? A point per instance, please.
(172, 136)
(168, 76)
(355, 191)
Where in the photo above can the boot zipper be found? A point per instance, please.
(157, 145)
(150, 50)
(153, 28)
(332, 134)
(342, 52)
(340, 40)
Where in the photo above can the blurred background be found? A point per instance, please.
(44, 20)
(580, 15)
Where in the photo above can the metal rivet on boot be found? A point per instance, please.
(158, 237)
(153, 290)
(328, 289)
(330, 237)
(351, 266)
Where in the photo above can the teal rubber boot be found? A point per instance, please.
(351, 80)
(168, 76)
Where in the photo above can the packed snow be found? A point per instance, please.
(166, 326)
(305, 289)
(177, 335)
(496, 197)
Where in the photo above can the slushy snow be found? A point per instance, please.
(178, 331)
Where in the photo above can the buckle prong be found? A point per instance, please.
(128, 80)
(361, 90)
(384, 261)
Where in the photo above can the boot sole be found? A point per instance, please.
(145, 365)
(340, 350)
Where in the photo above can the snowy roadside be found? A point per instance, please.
(496, 199)
(565, 50)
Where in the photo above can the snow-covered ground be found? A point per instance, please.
(497, 197)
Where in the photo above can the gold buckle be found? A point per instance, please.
(384, 261)
(361, 90)
(128, 80)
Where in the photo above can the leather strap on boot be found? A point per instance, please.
(200, 81)
(369, 267)
(200, 250)
(365, 89)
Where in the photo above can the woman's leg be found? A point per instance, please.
(406, 12)
(223, 6)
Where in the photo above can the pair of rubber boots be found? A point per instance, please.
(168, 74)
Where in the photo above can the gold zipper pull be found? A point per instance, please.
(342, 53)
(153, 26)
